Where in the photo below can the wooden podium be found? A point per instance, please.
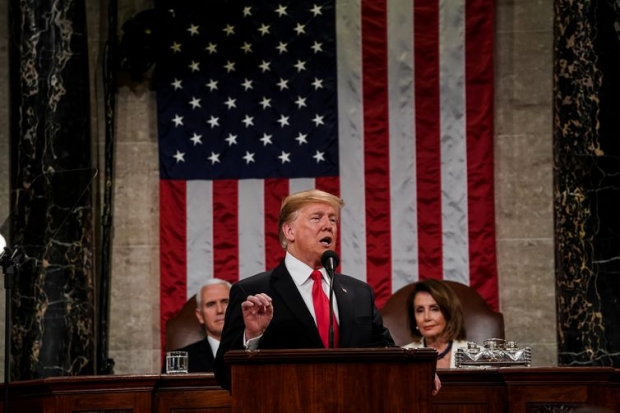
(332, 380)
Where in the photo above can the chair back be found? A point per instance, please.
(184, 329)
(481, 322)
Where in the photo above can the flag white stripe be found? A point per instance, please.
(403, 186)
(453, 142)
(251, 221)
(199, 234)
(350, 132)
(301, 184)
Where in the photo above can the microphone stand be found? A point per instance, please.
(10, 267)
(330, 272)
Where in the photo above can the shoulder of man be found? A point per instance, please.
(262, 279)
(255, 280)
(352, 282)
(194, 346)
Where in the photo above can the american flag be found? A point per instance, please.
(388, 104)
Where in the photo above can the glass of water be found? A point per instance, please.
(176, 362)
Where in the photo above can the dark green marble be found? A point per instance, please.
(51, 183)
(587, 181)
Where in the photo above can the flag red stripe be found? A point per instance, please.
(225, 230)
(376, 147)
(479, 103)
(428, 154)
(328, 184)
(275, 191)
(172, 245)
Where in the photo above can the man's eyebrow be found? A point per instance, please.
(215, 301)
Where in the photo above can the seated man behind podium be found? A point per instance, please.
(435, 316)
(276, 309)
(211, 303)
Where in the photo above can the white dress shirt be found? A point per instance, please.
(301, 275)
(214, 343)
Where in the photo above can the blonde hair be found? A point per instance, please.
(295, 202)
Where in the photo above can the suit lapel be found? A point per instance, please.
(346, 298)
(289, 295)
(206, 355)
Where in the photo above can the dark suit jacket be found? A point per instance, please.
(199, 356)
(292, 326)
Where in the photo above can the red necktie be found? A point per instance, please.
(321, 310)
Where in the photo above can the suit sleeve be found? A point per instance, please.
(232, 334)
(381, 335)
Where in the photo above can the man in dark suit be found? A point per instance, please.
(276, 309)
(211, 303)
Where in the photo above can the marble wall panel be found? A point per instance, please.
(523, 15)
(135, 284)
(134, 221)
(136, 250)
(4, 145)
(535, 186)
(527, 287)
(506, 175)
(134, 346)
(131, 309)
(523, 85)
(524, 174)
(53, 330)
(524, 180)
(136, 107)
(155, 314)
(96, 16)
(4, 210)
(529, 79)
(587, 177)
(135, 360)
(4, 91)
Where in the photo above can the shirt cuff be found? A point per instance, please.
(251, 344)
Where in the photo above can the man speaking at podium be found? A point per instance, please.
(288, 307)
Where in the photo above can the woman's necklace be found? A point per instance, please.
(443, 353)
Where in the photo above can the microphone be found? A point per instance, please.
(330, 261)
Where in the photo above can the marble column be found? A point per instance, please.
(587, 181)
(51, 181)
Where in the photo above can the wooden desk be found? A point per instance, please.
(512, 390)
(332, 380)
(562, 389)
(527, 390)
(82, 394)
(195, 393)
(465, 391)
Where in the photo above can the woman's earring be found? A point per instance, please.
(417, 328)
